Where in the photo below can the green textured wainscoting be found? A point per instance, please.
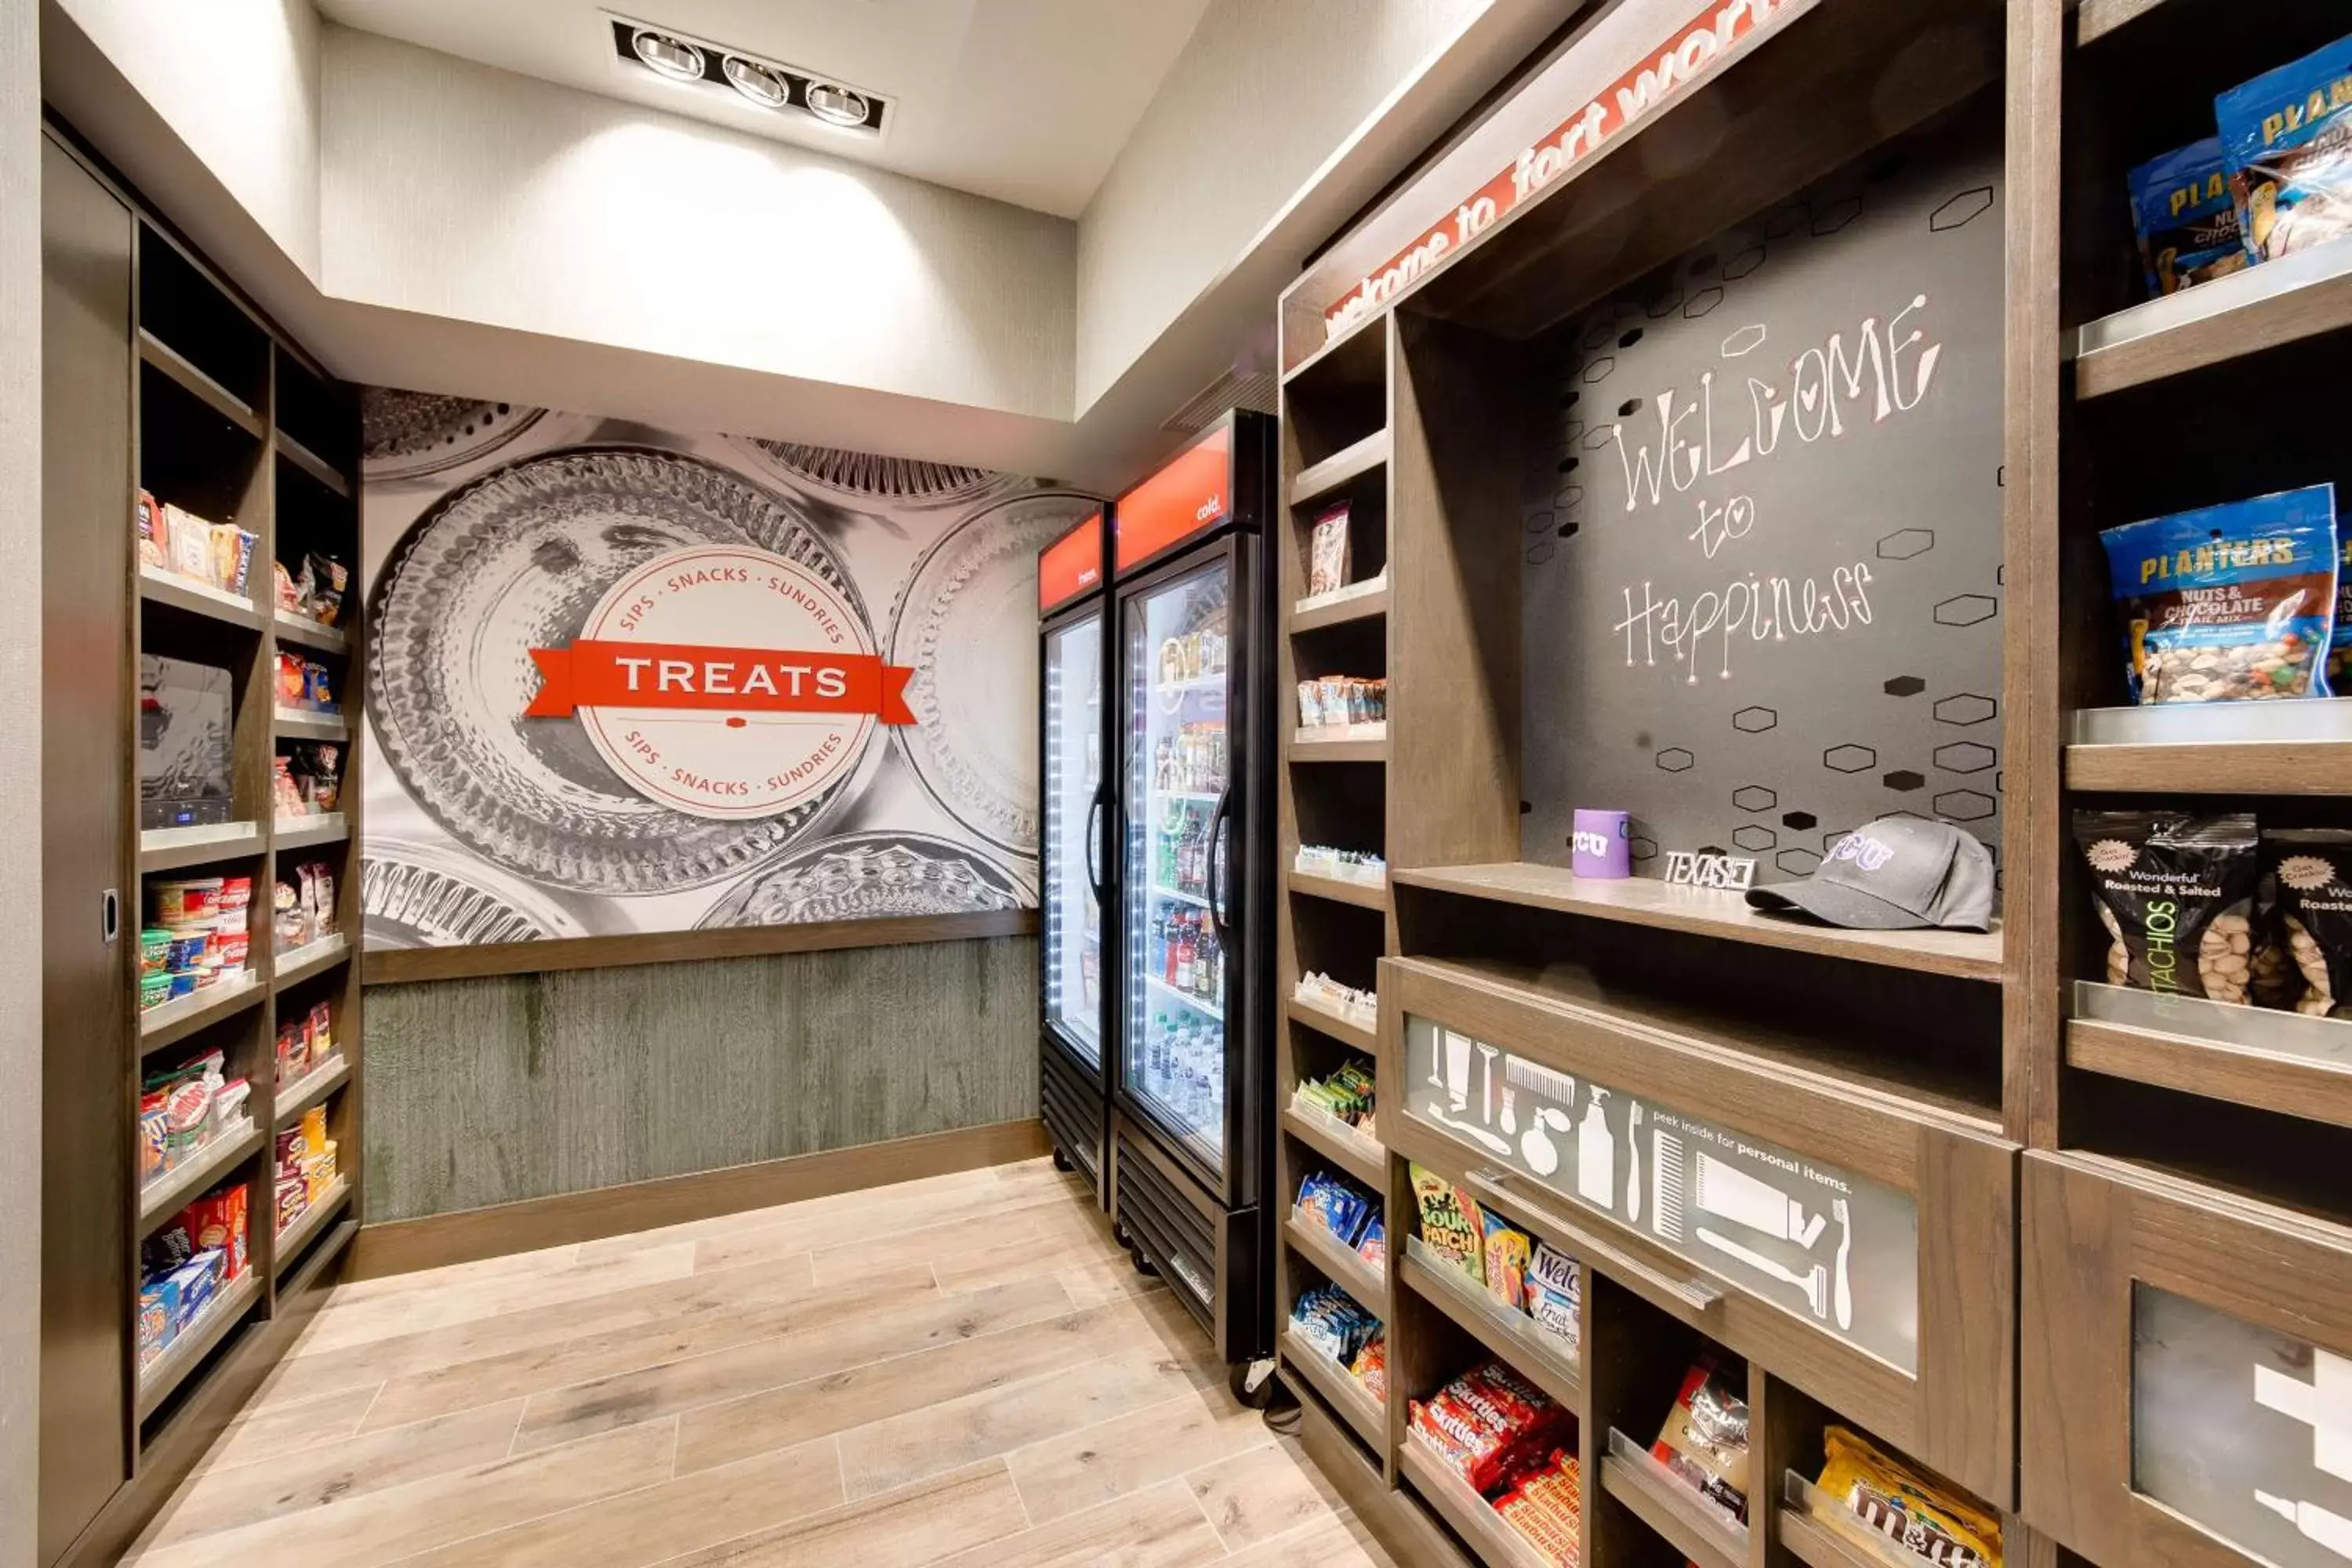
(523, 1085)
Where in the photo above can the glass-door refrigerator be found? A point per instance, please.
(1193, 625)
(1078, 956)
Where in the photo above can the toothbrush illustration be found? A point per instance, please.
(1843, 1293)
(1634, 1170)
(1813, 1283)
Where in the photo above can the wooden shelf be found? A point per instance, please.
(302, 630)
(301, 964)
(1510, 1334)
(1340, 890)
(1646, 901)
(2213, 767)
(294, 723)
(1397, 1518)
(174, 1021)
(1337, 1388)
(308, 832)
(1361, 1158)
(197, 1341)
(160, 1199)
(1807, 1540)
(1339, 469)
(1343, 1266)
(1644, 1486)
(311, 463)
(1329, 1023)
(1471, 1517)
(182, 372)
(2296, 297)
(306, 1092)
(1819, 1532)
(1361, 606)
(157, 586)
(2095, 19)
(1348, 744)
(2307, 1087)
(172, 848)
(1843, 1064)
(292, 1240)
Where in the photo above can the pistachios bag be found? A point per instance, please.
(2176, 895)
(2314, 870)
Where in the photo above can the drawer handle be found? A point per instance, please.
(1697, 1294)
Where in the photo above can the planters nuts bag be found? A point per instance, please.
(2228, 602)
(2187, 222)
(2288, 137)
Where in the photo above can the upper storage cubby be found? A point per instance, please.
(193, 330)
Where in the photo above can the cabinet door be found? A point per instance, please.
(86, 1298)
(2185, 1371)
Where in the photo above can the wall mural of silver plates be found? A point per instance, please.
(492, 530)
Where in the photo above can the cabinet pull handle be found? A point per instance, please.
(109, 915)
(1697, 1294)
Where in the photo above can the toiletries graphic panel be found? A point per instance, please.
(2244, 1431)
(1838, 1250)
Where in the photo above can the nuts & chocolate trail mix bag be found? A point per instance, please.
(2176, 895)
(2228, 602)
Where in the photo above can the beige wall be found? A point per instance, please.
(1261, 98)
(239, 82)
(458, 190)
(20, 772)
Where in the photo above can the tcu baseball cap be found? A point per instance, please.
(1899, 873)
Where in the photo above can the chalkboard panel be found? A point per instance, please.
(1762, 588)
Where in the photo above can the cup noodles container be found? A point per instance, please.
(192, 902)
(1601, 845)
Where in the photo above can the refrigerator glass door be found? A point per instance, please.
(1177, 754)
(1074, 733)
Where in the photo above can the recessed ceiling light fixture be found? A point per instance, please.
(704, 65)
(672, 56)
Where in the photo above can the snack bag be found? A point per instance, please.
(1372, 1246)
(2230, 603)
(1909, 1506)
(154, 534)
(1329, 1202)
(1329, 1320)
(1546, 1506)
(2176, 895)
(2187, 219)
(2314, 870)
(293, 679)
(2288, 137)
(1449, 1223)
(328, 578)
(1486, 1424)
(1705, 1439)
(1505, 1255)
(1371, 1367)
(1327, 569)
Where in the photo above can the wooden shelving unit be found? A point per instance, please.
(229, 419)
(1902, 1058)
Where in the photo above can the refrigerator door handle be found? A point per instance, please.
(1218, 821)
(1094, 842)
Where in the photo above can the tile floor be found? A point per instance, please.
(964, 1370)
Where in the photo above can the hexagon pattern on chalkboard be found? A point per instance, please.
(1706, 565)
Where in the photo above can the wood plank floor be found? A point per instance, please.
(964, 1370)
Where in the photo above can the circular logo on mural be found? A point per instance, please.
(723, 681)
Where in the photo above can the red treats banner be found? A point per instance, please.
(681, 675)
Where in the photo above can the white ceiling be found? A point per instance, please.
(1027, 102)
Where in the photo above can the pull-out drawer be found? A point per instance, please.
(1856, 1244)
(2187, 1371)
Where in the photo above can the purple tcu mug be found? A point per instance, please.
(1602, 845)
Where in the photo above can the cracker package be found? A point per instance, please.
(2313, 870)
(1705, 1439)
(2188, 221)
(1327, 569)
(2176, 895)
(2288, 137)
(1331, 1321)
(2230, 603)
(1450, 1226)
(1909, 1507)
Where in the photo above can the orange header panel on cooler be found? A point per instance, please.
(1070, 565)
(1191, 495)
